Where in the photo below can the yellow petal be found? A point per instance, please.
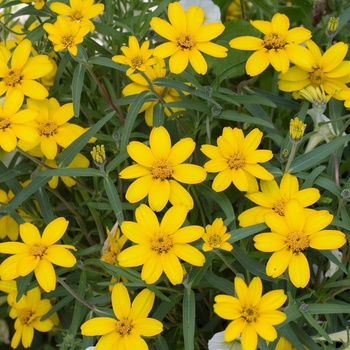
(177, 17)
(301, 57)
(164, 29)
(279, 60)
(194, 20)
(188, 234)
(120, 301)
(148, 327)
(134, 171)
(333, 56)
(257, 62)
(299, 271)
(239, 179)
(271, 301)
(152, 268)
(98, 326)
(277, 223)
(172, 267)
(263, 26)
(142, 304)
(297, 35)
(265, 330)
(135, 255)
(33, 89)
(21, 54)
(252, 216)
(269, 242)
(247, 43)
(179, 195)
(160, 143)
(254, 291)
(189, 173)
(209, 31)
(294, 215)
(45, 275)
(147, 219)
(159, 194)
(211, 151)
(54, 231)
(317, 221)
(289, 186)
(60, 256)
(234, 329)
(249, 338)
(27, 265)
(212, 49)
(278, 262)
(14, 248)
(197, 61)
(173, 219)
(165, 50)
(179, 61)
(181, 151)
(139, 189)
(241, 290)
(141, 154)
(222, 180)
(327, 239)
(189, 254)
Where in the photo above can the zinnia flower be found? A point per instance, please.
(276, 48)
(236, 160)
(329, 70)
(215, 236)
(124, 332)
(158, 247)
(290, 237)
(37, 254)
(188, 37)
(158, 169)
(273, 199)
(252, 313)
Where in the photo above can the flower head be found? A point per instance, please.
(296, 130)
(215, 236)
(131, 322)
(291, 236)
(273, 199)
(158, 169)
(211, 11)
(159, 246)
(236, 160)
(251, 313)
(38, 4)
(315, 95)
(188, 37)
(37, 254)
(136, 57)
(277, 46)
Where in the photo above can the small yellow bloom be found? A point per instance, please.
(276, 48)
(136, 57)
(188, 37)
(236, 160)
(37, 254)
(251, 313)
(38, 4)
(215, 237)
(159, 246)
(332, 26)
(234, 10)
(296, 130)
(130, 323)
(291, 235)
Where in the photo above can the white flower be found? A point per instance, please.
(218, 343)
(211, 11)
(90, 348)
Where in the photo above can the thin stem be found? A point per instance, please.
(218, 253)
(291, 157)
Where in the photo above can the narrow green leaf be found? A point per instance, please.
(243, 118)
(70, 172)
(309, 181)
(166, 306)
(58, 306)
(114, 199)
(258, 112)
(189, 318)
(220, 283)
(107, 62)
(304, 337)
(44, 205)
(237, 235)
(329, 308)
(117, 161)
(329, 256)
(313, 323)
(77, 87)
(198, 273)
(22, 283)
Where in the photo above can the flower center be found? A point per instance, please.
(274, 41)
(137, 62)
(186, 41)
(317, 77)
(67, 40)
(214, 240)
(298, 241)
(161, 169)
(249, 314)
(236, 161)
(47, 129)
(76, 15)
(161, 243)
(109, 257)
(13, 78)
(279, 207)
(124, 327)
(37, 250)
(25, 316)
(4, 123)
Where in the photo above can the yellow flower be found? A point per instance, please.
(113, 245)
(252, 313)
(8, 226)
(124, 332)
(23, 70)
(15, 123)
(284, 344)
(236, 160)
(38, 4)
(329, 70)
(37, 254)
(215, 237)
(276, 48)
(234, 10)
(273, 199)
(80, 11)
(28, 312)
(296, 130)
(188, 37)
(158, 247)
(65, 34)
(140, 84)
(290, 237)
(158, 170)
(138, 58)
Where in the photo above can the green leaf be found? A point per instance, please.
(189, 318)
(58, 306)
(313, 323)
(197, 273)
(22, 283)
(329, 256)
(114, 199)
(107, 62)
(117, 161)
(70, 172)
(237, 235)
(77, 87)
(309, 181)
(243, 118)
(328, 308)
(220, 283)
(166, 306)
(44, 205)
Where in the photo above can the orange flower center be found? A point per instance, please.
(25, 316)
(279, 207)
(161, 243)
(137, 62)
(249, 314)
(48, 128)
(13, 77)
(274, 41)
(186, 41)
(38, 250)
(317, 77)
(214, 240)
(236, 161)
(298, 241)
(76, 15)
(162, 169)
(67, 40)
(124, 327)
(4, 123)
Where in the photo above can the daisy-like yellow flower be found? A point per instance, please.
(236, 160)
(277, 48)
(140, 84)
(328, 71)
(38, 4)
(159, 246)
(131, 323)
(80, 11)
(15, 123)
(251, 313)
(291, 235)
(273, 199)
(18, 71)
(65, 34)
(28, 312)
(215, 236)
(188, 38)
(158, 170)
(8, 226)
(113, 245)
(136, 57)
(37, 254)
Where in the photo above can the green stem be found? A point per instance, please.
(218, 253)
(291, 157)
